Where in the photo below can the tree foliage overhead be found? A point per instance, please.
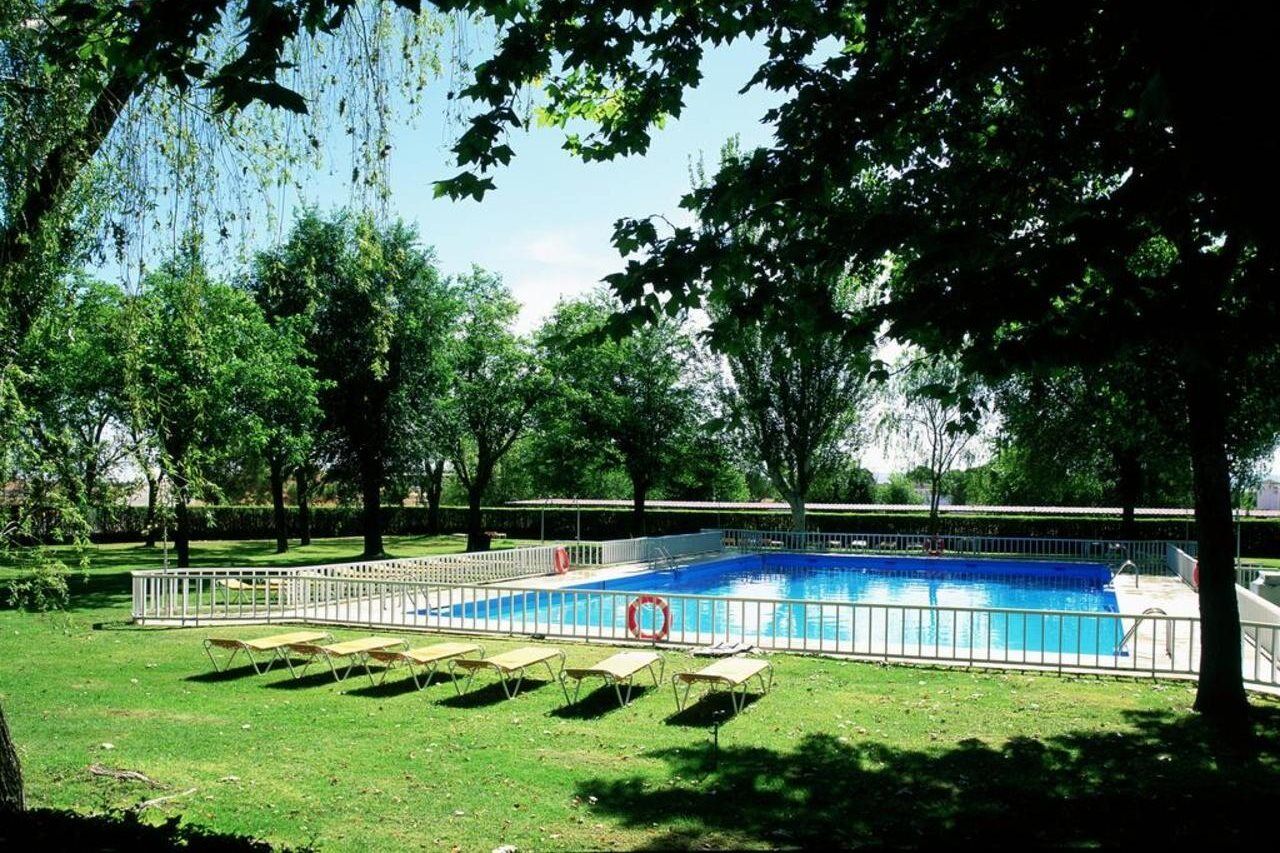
(1050, 182)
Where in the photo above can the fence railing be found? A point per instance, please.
(1180, 562)
(644, 549)
(1037, 639)
(1148, 555)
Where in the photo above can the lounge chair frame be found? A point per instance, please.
(237, 646)
(737, 697)
(392, 659)
(267, 586)
(580, 675)
(312, 651)
(474, 666)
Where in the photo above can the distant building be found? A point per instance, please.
(1269, 494)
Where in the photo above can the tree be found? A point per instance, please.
(11, 798)
(631, 397)
(494, 384)
(1051, 184)
(74, 391)
(932, 416)
(93, 85)
(795, 392)
(373, 307)
(848, 483)
(1113, 435)
(282, 392)
(191, 366)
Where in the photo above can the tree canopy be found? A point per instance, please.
(1050, 184)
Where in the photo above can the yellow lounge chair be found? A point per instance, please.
(275, 645)
(510, 663)
(354, 650)
(267, 586)
(617, 670)
(429, 658)
(730, 673)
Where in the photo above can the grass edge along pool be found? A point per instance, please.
(894, 605)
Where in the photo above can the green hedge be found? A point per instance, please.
(1259, 537)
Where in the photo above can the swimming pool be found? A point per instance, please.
(924, 606)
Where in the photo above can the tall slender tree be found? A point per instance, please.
(933, 416)
(190, 372)
(796, 391)
(494, 383)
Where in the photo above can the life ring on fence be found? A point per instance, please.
(633, 622)
(1195, 574)
(561, 560)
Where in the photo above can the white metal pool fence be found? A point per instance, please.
(1149, 556)
(458, 594)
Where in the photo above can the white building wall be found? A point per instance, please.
(1269, 494)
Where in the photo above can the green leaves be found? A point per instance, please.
(235, 93)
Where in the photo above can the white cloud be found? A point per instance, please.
(543, 266)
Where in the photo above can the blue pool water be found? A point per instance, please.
(935, 605)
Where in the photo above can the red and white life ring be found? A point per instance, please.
(1195, 575)
(633, 622)
(561, 559)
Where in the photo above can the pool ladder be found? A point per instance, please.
(660, 559)
(1128, 564)
(1132, 633)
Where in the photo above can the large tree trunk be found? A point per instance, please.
(153, 489)
(935, 501)
(371, 493)
(435, 488)
(1221, 690)
(476, 538)
(182, 529)
(48, 181)
(277, 507)
(1128, 490)
(10, 771)
(796, 503)
(639, 492)
(302, 483)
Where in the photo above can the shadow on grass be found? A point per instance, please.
(312, 678)
(51, 829)
(709, 708)
(1167, 782)
(397, 686)
(234, 674)
(99, 591)
(492, 694)
(599, 702)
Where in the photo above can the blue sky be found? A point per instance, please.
(547, 227)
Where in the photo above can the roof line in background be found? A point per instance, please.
(776, 506)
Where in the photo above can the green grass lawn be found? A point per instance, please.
(841, 753)
(107, 567)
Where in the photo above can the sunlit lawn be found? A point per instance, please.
(840, 754)
(108, 566)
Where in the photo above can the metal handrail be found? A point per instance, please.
(660, 559)
(1128, 564)
(1133, 630)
